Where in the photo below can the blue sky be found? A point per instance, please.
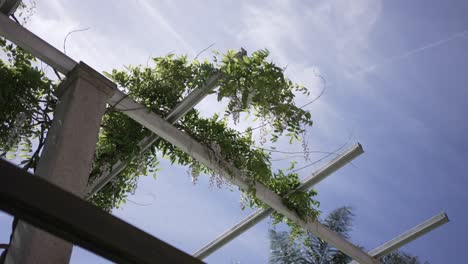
(396, 77)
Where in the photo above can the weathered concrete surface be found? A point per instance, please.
(66, 158)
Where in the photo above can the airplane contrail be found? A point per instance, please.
(391, 60)
(410, 53)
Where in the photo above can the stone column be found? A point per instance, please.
(66, 159)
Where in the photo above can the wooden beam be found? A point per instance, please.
(63, 214)
(261, 214)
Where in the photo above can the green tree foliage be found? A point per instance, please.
(400, 257)
(283, 250)
(316, 251)
(251, 85)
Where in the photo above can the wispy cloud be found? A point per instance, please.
(161, 21)
(339, 28)
(98, 48)
(107, 45)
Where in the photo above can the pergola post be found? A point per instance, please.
(66, 159)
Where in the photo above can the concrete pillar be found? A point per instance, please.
(66, 158)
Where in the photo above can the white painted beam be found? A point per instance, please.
(205, 155)
(410, 235)
(35, 45)
(235, 231)
(261, 214)
(179, 111)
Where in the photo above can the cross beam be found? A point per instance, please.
(165, 130)
(408, 236)
(8, 7)
(61, 213)
(259, 215)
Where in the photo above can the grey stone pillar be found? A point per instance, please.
(66, 158)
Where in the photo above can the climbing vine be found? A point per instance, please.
(26, 102)
(250, 84)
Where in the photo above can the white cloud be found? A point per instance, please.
(97, 48)
(273, 25)
(109, 43)
(327, 38)
(340, 25)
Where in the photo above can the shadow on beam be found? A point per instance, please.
(58, 212)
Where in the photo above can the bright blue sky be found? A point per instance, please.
(396, 74)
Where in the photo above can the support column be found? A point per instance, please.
(66, 159)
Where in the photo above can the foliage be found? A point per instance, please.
(250, 85)
(282, 184)
(161, 87)
(26, 100)
(316, 251)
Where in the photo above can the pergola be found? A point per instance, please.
(69, 149)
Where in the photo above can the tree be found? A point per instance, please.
(283, 250)
(399, 257)
(316, 251)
